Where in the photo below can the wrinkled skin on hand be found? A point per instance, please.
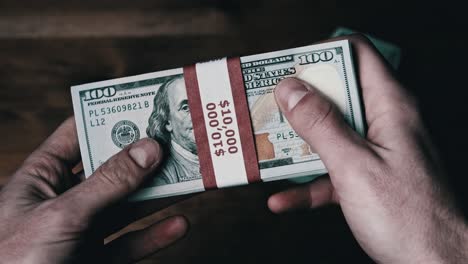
(388, 184)
(46, 216)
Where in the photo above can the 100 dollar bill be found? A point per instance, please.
(203, 124)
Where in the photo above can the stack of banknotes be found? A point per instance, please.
(218, 121)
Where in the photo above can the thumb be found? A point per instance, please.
(116, 178)
(319, 123)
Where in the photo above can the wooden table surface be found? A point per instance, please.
(47, 46)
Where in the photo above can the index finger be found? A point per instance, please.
(386, 101)
(381, 90)
(62, 145)
(52, 161)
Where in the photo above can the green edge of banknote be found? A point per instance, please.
(390, 51)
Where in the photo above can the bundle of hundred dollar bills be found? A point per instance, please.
(217, 121)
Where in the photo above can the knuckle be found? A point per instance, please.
(320, 119)
(45, 166)
(360, 39)
(408, 113)
(379, 171)
(70, 120)
(119, 173)
(59, 215)
(56, 212)
(369, 163)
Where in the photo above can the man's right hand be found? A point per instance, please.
(388, 184)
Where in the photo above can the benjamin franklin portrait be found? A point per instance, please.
(170, 124)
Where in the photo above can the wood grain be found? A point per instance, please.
(121, 23)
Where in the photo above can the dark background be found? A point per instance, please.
(47, 46)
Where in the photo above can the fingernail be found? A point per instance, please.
(275, 205)
(145, 153)
(178, 227)
(170, 230)
(289, 92)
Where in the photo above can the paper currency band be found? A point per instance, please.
(221, 123)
